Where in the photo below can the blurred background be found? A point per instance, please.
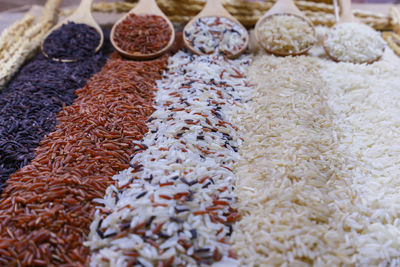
(12, 4)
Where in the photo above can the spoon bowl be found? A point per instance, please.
(214, 8)
(282, 8)
(144, 7)
(82, 15)
(345, 17)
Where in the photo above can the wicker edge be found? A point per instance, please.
(21, 40)
(248, 13)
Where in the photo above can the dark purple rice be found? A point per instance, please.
(28, 105)
(72, 41)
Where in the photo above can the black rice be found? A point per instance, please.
(29, 103)
(72, 41)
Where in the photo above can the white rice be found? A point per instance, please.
(366, 102)
(184, 169)
(354, 42)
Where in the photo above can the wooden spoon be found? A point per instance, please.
(144, 7)
(82, 15)
(345, 17)
(282, 7)
(346, 12)
(214, 8)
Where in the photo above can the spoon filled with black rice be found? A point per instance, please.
(75, 38)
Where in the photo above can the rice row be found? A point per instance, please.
(366, 107)
(174, 205)
(46, 207)
(30, 102)
(287, 181)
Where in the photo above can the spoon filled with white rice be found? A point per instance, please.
(351, 41)
(284, 30)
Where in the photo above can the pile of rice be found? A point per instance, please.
(286, 34)
(365, 102)
(354, 42)
(286, 184)
(319, 176)
(174, 205)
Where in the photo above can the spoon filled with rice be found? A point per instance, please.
(145, 32)
(284, 30)
(214, 30)
(75, 38)
(352, 41)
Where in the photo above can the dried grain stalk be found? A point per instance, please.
(13, 33)
(26, 41)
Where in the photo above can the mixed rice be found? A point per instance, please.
(210, 35)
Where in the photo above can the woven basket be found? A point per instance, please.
(20, 41)
(247, 12)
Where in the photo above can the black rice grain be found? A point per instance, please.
(29, 103)
(72, 41)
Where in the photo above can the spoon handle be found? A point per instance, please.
(148, 2)
(214, 8)
(213, 5)
(147, 7)
(83, 12)
(346, 11)
(85, 6)
(286, 4)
